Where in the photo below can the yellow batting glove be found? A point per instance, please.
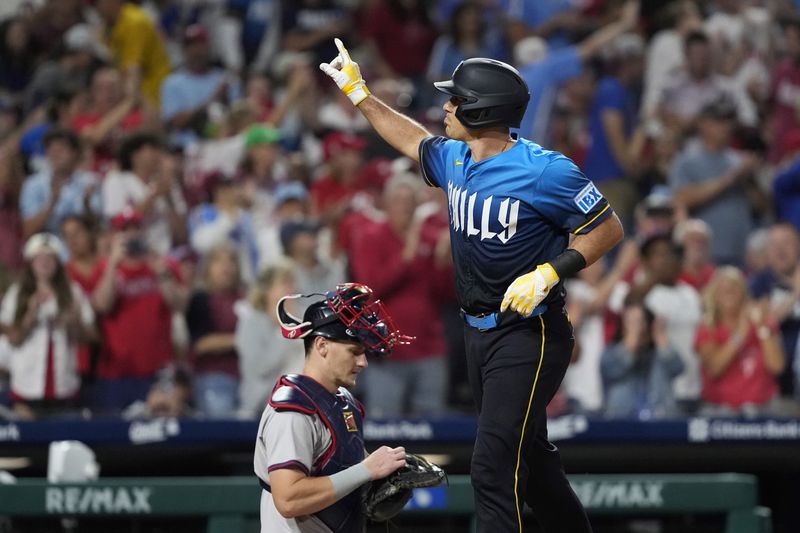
(345, 72)
(528, 290)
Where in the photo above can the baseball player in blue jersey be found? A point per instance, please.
(512, 207)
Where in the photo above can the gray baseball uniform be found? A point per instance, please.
(288, 439)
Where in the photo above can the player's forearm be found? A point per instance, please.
(600, 240)
(401, 132)
(306, 496)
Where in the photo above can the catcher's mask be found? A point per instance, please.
(348, 313)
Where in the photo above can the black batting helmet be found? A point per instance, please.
(495, 93)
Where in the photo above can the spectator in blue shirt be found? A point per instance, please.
(612, 158)
(188, 94)
(61, 189)
(545, 71)
(638, 369)
(466, 38)
(223, 221)
(786, 186)
(549, 19)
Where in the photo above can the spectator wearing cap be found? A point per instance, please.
(45, 316)
(261, 169)
(331, 194)
(695, 237)
(678, 304)
(711, 180)
(137, 294)
(136, 47)
(78, 53)
(397, 257)
(697, 86)
(779, 286)
(188, 94)
(300, 242)
(612, 159)
(148, 184)
(108, 117)
(224, 220)
(291, 202)
(61, 190)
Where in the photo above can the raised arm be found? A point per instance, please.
(400, 131)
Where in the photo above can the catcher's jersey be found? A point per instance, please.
(288, 438)
(508, 213)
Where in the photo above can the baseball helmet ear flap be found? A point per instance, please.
(291, 326)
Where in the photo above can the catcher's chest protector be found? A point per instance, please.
(343, 416)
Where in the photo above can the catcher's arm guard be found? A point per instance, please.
(385, 498)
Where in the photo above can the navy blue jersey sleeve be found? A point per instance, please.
(432, 159)
(566, 197)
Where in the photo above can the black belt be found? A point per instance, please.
(264, 485)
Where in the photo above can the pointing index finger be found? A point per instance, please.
(342, 50)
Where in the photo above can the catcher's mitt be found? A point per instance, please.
(384, 498)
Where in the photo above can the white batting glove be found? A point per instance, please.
(527, 291)
(345, 72)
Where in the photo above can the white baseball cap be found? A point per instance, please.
(44, 242)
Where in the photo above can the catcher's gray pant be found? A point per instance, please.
(514, 371)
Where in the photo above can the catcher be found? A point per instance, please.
(310, 457)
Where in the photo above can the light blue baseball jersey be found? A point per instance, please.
(508, 213)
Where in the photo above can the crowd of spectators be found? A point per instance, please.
(170, 168)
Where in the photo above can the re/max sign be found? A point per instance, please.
(103, 500)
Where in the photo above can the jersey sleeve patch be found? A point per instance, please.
(587, 198)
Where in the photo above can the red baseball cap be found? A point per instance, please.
(126, 218)
(335, 142)
(195, 33)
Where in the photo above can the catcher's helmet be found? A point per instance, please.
(347, 313)
(495, 93)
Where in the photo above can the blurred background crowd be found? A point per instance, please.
(170, 168)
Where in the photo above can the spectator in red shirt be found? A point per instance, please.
(136, 296)
(739, 346)
(212, 325)
(331, 194)
(698, 267)
(401, 260)
(786, 91)
(403, 34)
(83, 268)
(109, 116)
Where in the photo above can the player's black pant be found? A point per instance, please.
(514, 371)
